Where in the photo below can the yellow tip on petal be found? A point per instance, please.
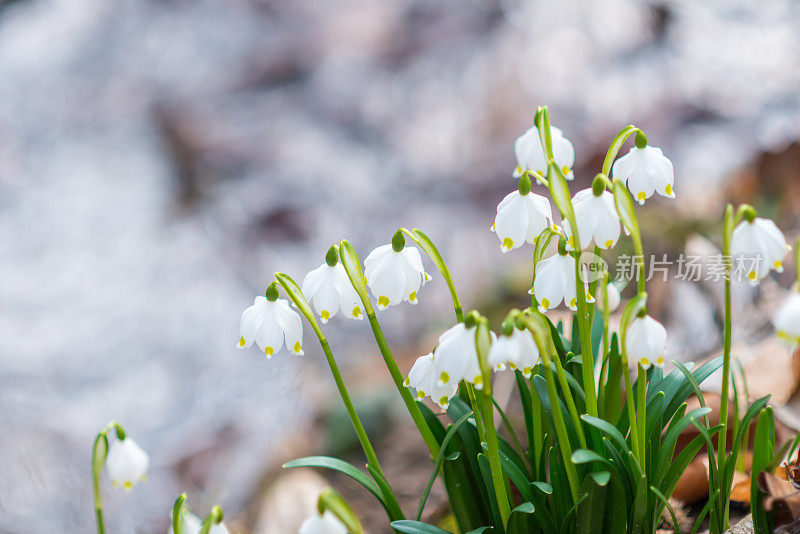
(444, 378)
(508, 244)
(565, 170)
(242, 342)
(268, 351)
(752, 276)
(412, 296)
(420, 394)
(325, 315)
(444, 402)
(645, 362)
(668, 190)
(383, 301)
(641, 196)
(297, 348)
(609, 243)
(513, 366)
(545, 304)
(127, 485)
(660, 361)
(356, 312)
(573, 304)
(527, 371)
(779, 266)
(478, 381)
(407, 382)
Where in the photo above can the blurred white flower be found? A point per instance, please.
(520, 218)
(759, 246)
(787, 320)
(269, 323)
(518, 351)
(646, 340)
(614, 298)
(646, 171)
(455, 358)
(597, 219)
(423, 379)
(395, 276)
(126, 463)
(554, 282)
(328, 289)
(530, 153)
(327, 523)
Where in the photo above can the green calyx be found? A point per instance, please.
(642, 313)
(398, 241)
(599, 185)
(749, 213)
(562, 246)
(272, 293)
(525, 184)
(472, 319)
(641, 140)
(332, 256)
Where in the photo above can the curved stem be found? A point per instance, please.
(177, 514)
(641, 415)
(616, 144)
(562, 381)
(98, 458)
(296, 296)
(213, 518)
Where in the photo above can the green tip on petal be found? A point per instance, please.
(332, 256)
(272, 293)
(525, 185)
(598, 185)
(641, 140)
(398, 241)
(562, 246)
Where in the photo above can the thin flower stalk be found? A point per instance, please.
(352, 266)
(296, 296)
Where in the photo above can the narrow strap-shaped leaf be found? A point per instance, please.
(450, 433)
(392, 506)
(609, 430)
(407, 526)
(699, 521)
(665, 501)
(334, 464)
(518, 520)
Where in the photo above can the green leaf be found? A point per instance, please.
(601, 478)
(763, 449)
(518, 520)
(392, 506)
(479, 530)
(330, 500)
(341, 466)
(296, 296)
(624, 205)
(699, 521)
(591, 511)
(608, 429)
(416, 527)
(616, 144)
(665, 502)
(442, 451)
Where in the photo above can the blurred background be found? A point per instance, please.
(160, 159)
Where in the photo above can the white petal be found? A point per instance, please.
(787, 320)
(326, 523)
(252, 319)
(386, 280)
(292, 326)
(126, 463)
(511, 222)
(270, 334)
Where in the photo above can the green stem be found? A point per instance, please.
(616, 144)
(473, 401)
(177, 514)
(482, 343)
(97, 464)
(562, 381)
(213, 518)
(397, 377)
(296, 296)
(631, 410)
(641, 415)
(722, 439)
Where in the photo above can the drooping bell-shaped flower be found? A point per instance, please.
(758, 245)
(596, 217)
(521, 216)
(455, 358)
(646, 341)
(271, 323)
(126, 463)
(554, 282)
(328, 289)
(531, 157)
(614, 297)
(327, 523)
(787, 320)
(395, 273)
(424, 380)
(646, 170)
(190, 523)
(518, 350)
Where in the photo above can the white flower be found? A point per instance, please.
(614, 298)
(191, 524)
(520, 218)
(647, 171)
(126, 463)
(597, 219)
(423, 378)
(554, 282)
(646, 340)
(758, 246)
(518, 350)
(530, 153)
(394, 277)
(787, 320)
(455, 358)
(328, 289)
(326, 523)
(269, 324)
